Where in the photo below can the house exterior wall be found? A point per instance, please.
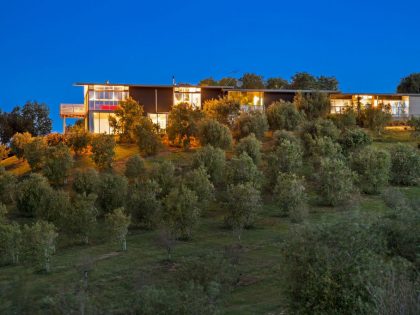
(414, 109)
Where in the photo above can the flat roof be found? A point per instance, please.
(154, 85)
(281, 90)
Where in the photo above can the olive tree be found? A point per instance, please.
(214, 133)
(405, 165)
(118, 223)
(135, 168)
(224, 110)
(10, 242)
(199, 181)
(7, 186)
(251, 146)
(34, 153)
(18, 142)
(242, 170)
(86, 181)
(103, 153)
(126, 117)
(147, 139)
(283, 115)
(112, 192)
(164, 175)
(213, 160)
(372, 167)
(352, 139)
(253, 122)
(58, 163)
(78, 139)
(4, 152)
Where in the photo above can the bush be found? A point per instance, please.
(329, 268)
(103, 151)
(127, 116)
(58, 163)
(373, 167)
(314, 105)
(242, 170)
(280, 135)
(146, 137)
(54, 207)
(86, 181)
(223, 110)
(251, 146)
(55, 138)
(18, 142)
(183, 124)
(181, 212)
(112, 192)
(135, 168)
(10, 243)
(164, 175)
(324, 147)
(243, 205)
(405, 165)
(213, 160)
(253, 122)
(214, 133)
(34, 153)
(376, 118)
(319, 128)
(7, 186)
(344, 120)
(334, 182)
(199, 181)
(32, 195)
(78, 140)
(118, 222)
(352, 139)
(4, 152)
(283, 115)
(414, 123)
(143, 203)
(290, 197)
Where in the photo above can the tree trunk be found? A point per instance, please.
(47, 260)
(124, 245)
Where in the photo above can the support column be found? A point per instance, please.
(64, 125)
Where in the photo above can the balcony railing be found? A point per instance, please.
(72, 110)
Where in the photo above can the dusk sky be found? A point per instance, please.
(46, 46)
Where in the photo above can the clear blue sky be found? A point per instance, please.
(47, 45)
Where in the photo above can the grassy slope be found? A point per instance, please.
(115, 275)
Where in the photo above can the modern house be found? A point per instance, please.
(101, 100)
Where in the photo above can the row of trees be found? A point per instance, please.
(299, 81)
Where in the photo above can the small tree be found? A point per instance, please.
(7, 186)
(243, 170)
(145, 134)
(10, 242)
(405, 165)
(86, 181)
(376, 118)
(38, 242)
(289, 194)
(352, 139)
(181, 212)
(373, 167)
(54, 207)
(18, 142)
(252, 81)
(414, 123)
(280, 135)
(112, 192)
(199, 181)
(118, 223)
(213, 160)
(251, 146)
(283, 115)
(58, 163)
(127, 116)
(214, 133)
(334, 182)
(164, 175)
(247, 123)
(78, 140)
(347, 119)
(143, 203)
(34, 153)
(103, 153)
(135, 168)
(80, 220)
(223, 110)
(183, 124)
(314, 105)
(243, 205)
(4, 152)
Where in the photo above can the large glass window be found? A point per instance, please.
(160, 119)
(101, 123)
(189, 95)
(106, 97)
(248, 100)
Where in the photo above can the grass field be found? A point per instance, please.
(115, 276)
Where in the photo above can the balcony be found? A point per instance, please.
(72, 110)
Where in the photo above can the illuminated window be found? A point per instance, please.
(106, 97)
(159, 119)
(248, 100)
(101, 123)
(189, 95)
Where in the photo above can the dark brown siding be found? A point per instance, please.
(146, 97)
(208, 94)
(270, 97)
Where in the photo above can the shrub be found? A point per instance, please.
(405, 165)
(334, 182)
(214, 133)
(143, 203)
(253, 122)
(54, 207)
(242, 170)
(376, 118)
(280, 135)
(32, 195)
(112, 192)
(324, 147)
(10, 243)
(223, 110)
(164, 175)
(213, 160)
(34, 153)
(414, 123)
(251, 146)
(319, 128)
(58, 163)
(352, 139)
(55, 138)
(183, 124)
(373, 168)
(18, 142)
(243, 205)
(7, 186)
(344, 120)
(290, 197)
(314, 105)
(147, 139)
(181, 212)
(118, 222)
(4, 152)
(330, 267)
(135, 168)
(128, 115)
(78, 140)
(86, 181)
(199, 181)
(103, 151)
(283, 115)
